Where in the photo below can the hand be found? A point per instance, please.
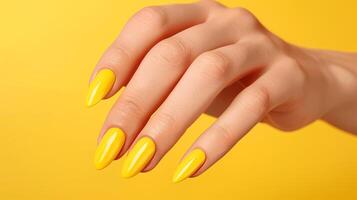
(179, 61)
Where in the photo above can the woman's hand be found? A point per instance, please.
(178, 61)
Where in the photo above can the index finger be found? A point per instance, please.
(139, 35)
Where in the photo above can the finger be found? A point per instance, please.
(203, 80)
(143, 30)
(273, 88)
(158, 73)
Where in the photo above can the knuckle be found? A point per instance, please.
(262, 46)
(120, 52)
(129, 107)
(262, 99)
(171, 51)
(290, 62)
(293, 68)
(114, 55)
(259, 100)
(152, 15)
(262, 39)
(241, 12)
(213, 65)
(242, 51)
(244, 17)
(210, 3)
(290, 65)
(226, 135)
(163, 120)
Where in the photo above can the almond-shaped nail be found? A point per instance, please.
(189, 165)
(109, 147)
(138, 157)
(100, 86)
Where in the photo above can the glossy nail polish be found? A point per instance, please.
(109, 147)
(100, 86)
(138, 157)
(189, 165)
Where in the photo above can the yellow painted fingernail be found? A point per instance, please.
(100, 86)
(138, 157)
(189, 165)
(109, 147)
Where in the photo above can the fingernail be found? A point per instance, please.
(109, 147)
(100, 86)
(189, 165)
(138, 157)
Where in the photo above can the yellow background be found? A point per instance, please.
(47, 52)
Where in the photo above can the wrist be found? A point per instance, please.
(340, 72)
(331, 76)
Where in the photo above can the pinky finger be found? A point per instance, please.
(246, 110)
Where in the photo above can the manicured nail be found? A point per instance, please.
(138, 157)
(100, 86)
(109, 147)
(189, 165)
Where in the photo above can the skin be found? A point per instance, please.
(179, 61)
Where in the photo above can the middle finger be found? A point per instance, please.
(158, 73)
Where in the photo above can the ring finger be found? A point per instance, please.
(201, 83)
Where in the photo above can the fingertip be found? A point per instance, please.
(100, 86)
